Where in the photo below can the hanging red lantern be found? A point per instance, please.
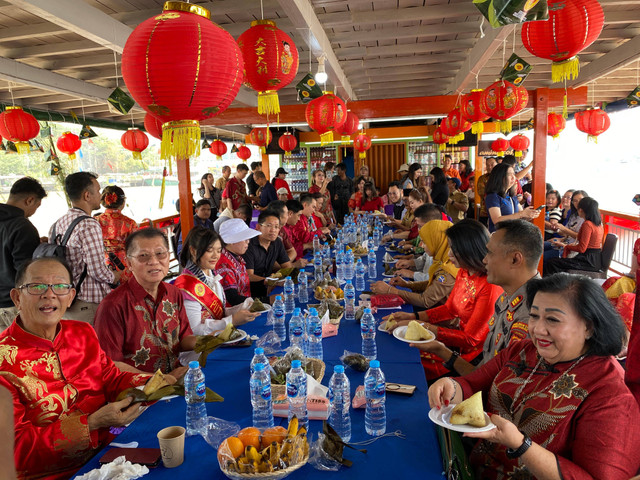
(218, 148)
(153, 126)
(519, 143)
(555, 124)
(243, 153)
(271, 62)
(593, 122)
(361, 144)
(19, 127)
(500, 146)
(440, 138)
(348, 128)
(261, 137)
(501, 101)
(183, 68)
(572, 26)
(287, 142)
(69, 143)
(326, 114)
(471, 111)
(454, 126)
(136, 141)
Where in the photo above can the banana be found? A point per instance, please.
(292, 431)
(252, 454)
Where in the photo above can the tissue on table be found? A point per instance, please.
(119, 469)
(317, 403)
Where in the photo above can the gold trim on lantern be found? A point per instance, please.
(13, 108)
(326, 92)
(268, 102)
(326, 137)
(23, 147)
(263, 22)
(477, 127)
(345, 139)
(180, 140)
(187, 7)
(565, 70)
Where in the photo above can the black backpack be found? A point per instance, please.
(59, 248)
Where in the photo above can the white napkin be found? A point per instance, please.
(119, 469)
(325, 318)
(316, 388)
(246, 305)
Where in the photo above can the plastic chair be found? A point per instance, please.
(608, 249)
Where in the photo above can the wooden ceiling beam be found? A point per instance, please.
(433, 59)
(406, 32)
(422, 47)
(51, 49)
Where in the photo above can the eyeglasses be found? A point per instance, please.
(270, 226)
(146, 257)
(41, 288)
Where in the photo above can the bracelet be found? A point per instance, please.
(455, 388)
(417, 316)
(452, 360)
(389, 289)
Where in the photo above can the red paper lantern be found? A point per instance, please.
(182, 68)
(500, 146)
(572, 26)
(593, 122)
(440, 138)
(218, 148)
(287, 143)
(555, 124)
(270, 62)
(501, 101)
(136, 141)
(348, 128)
(243, 153)
(361, 144)
(519, 143)
(153, 126)
(19, 127)
(261, 137)
(471, 111)
(69, 143)
(326, 114)
(454, 126)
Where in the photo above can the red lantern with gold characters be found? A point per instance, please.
(500, 146)
(243, 153)
(19, 127)
(472, 112)
(519, 143)
(348, 128)
(326, 114)
(261, 137)
(153, 126)
(69, 143)
(182, 68)
(287, 142)
(135, 140)
(270, 62)
(555, 124)
(501, 101)
(454, 126)
(593, 122)
(218, 148)
(440, 138)
(572, 26)
(361, 144)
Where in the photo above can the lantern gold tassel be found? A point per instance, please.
(345, 139)
(518, 154)
(72, 156)
(505, 125)
(180, 139)
(362, 155)
(477, 127)
(326, 137)
(268, 102)
(22, 147)
(162, 187)
(137, 155)
(567, 70)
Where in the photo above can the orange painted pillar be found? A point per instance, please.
(184, 190)
(265, 166)
(539, 191)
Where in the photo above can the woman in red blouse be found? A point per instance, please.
(320, 182)
(280, 182)
(371, 202)
(355, 202)
(462, 322)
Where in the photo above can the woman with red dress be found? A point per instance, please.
(280, 182)
(355, 202)
(371, 202)
(320, 182)
(116, 227)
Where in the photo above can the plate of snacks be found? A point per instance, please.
(466, 416)
(413, 333)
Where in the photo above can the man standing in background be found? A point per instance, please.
(340, 187)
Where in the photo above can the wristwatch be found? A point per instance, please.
(452, 359)
(518, 452)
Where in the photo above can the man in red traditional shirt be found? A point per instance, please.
(295, 211)
(305, 229)
(235, 191)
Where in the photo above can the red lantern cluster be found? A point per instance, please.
(519, 143)
(326, 114)
(153, 126)
(454, 126)
(472, 112)
(19, 127)
(500, 146)
(260, 137)
(218, 148)
(287, 142)
(69, 143)
(270, 62)
(555, 124)
(136, 141)
(348, 128)
(501, 101)
(593, 122)
(440, 138)
(572, 26)
(243, 153)
(361, 144)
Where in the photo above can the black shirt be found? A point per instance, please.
(252, 185)
(342, 188)
(268, 194)
(440, 194)
(261, 261)
(398, 208)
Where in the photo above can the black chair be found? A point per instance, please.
(608, 249)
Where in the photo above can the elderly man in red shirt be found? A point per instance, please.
(305, 229)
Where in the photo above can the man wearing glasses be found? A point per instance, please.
(264, 251)
(142, 325)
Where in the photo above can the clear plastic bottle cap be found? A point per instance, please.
(338, 369)
(259, 351)
(278, 297)
(194, 364)
(372, 364)
(367, 310)
(260, 366)
(296, 364)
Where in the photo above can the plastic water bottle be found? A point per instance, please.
(368, 332)
(259, 357)
(317, 267)
(340, 266)
(377, 236)
(303, 291)
(316, 244)
(314, 334)
(278, 319)
(260, 387)
(339, 402)
(360, 275)
(296, 330)
(194, 394)
(348, 265)
(349, 301)
(289, 295)
(297, 393)
(371, 260)
(375, 416)
(326, 254)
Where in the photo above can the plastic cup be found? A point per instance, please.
(171, 441)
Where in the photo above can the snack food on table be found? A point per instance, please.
(470, 412)
(388, 269)
(387, 258)
(257, 306)
(357, 361)
(390, 324)
(330, 292)
(415, 331)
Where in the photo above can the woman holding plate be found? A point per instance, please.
(558, 401)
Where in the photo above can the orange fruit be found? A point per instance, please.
(250, 436)
(273, 434)
(230, 447)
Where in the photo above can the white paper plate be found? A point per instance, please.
(390, 262)
(242, 336)
(388, 276)
(441, 417)
(400, 332)
(267, 308)
(381, 327)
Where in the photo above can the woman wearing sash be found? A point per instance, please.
(202, 292)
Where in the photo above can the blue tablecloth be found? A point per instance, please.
(227, 373)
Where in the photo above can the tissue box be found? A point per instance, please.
(317, 407)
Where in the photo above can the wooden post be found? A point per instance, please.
(184, 189)
(539, 191)
(478, 170)
(265, 166)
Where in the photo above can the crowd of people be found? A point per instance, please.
(85, 322)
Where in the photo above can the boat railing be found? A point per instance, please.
(627, 228)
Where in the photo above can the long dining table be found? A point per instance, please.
(414, 452)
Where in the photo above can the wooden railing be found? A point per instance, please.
(627, 228)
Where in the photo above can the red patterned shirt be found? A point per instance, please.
(234, 274)
(236, 192)
(116, 227)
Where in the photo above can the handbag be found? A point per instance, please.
(454, 457)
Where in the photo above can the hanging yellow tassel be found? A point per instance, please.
(180, 140)
(72, 156)
(263, 150)
(566, 70)
(443, 146)
(22, 147)
(137, 155)
(565, 113)
(477, 128)
(505, 125)
(268, 102)
(326, 137)
(518, 154)
(162, 187)
(345, 139)
(362, 155)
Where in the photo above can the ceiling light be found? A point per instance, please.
(321, 75)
